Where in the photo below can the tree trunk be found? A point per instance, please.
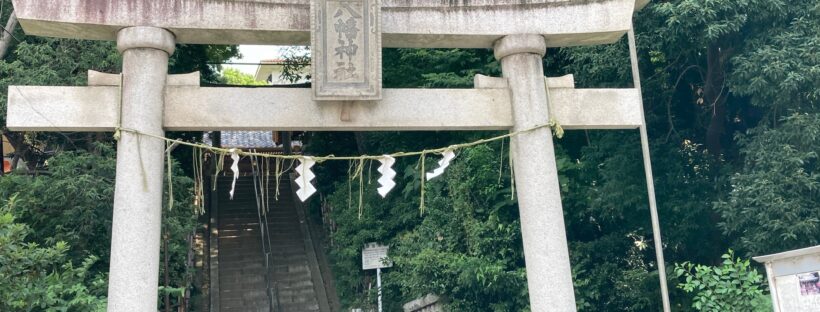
(5, 39)
(21, 149)
(286, 142)
(14, 161)
(167, 277)
(2, 155)
(714, 97)
(360, 142)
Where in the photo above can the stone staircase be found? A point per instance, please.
(295, 284)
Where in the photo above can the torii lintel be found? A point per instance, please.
(406, 24)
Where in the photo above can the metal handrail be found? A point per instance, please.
(260, 187)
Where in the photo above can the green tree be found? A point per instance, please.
(233, 76)
(33, 60)
(723, 42)
(43, 278)
(468, 245)
(72, 206)
(772, 205)
(732, 286)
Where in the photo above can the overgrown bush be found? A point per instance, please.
(43, 278)
(733, 286)
(71, 205)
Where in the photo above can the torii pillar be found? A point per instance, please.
(549, 275)
(137, 221)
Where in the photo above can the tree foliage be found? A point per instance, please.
(772, 205)
(718, 76)
(41, 61)
(733, 286)
(235, 77)
(730, 171)
(70, 203)
(72, 206)
(43, 278)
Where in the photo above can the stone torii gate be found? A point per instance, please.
(346, 96)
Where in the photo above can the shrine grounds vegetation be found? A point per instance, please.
(731, 95)
(55, 224)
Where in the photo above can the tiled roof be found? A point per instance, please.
(273, 61)
(243, 139)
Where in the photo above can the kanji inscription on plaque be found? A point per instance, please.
(346, 49)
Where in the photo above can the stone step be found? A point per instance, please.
(245, 198)
(234, 253)
(242, 268)
(276, 238)
(255, 248)
(291, 281)
(248, 187)
(297, 307)
(254, 217)
(293, 295)
(294, 284)
(253, 223)
(284, 212)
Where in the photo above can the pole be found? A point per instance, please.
(7, 35)
(2, 156)
(379, 286)
(650, 181)
(137, 216)
(286, 142)
(543, 233)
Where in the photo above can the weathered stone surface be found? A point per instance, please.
(487, 82)
(428, 303)
(565, 81)
(293, 109)
(543, 234)
(346, 50)
(96, 78)
(137, 213)
(405, 23)
(95, 109)
(62, 108)
(595, 108)
(483, 82)
(142, 37)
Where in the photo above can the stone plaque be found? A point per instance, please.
(346, 51)
(374, 256)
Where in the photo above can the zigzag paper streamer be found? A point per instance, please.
(447, 156)
(305, 176)
(235, 169)
(386, 180)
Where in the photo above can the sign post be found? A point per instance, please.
(374, 256)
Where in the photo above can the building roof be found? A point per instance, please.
(243, 139)
(788, 254)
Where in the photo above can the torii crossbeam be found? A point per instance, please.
(148, 100)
